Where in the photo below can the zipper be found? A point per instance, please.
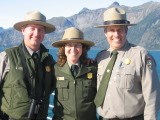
(75, 84)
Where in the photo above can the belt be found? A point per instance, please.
(139, 117)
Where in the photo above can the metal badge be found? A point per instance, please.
(48, 68)
(127, 61)
(89, 75)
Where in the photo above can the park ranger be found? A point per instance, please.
(128, 85)
(26, 72)
(76, 78)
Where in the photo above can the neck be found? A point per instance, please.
(73, 62)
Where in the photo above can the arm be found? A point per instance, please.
(4, 65)
(150, 88)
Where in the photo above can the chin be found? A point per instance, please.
(118, 46)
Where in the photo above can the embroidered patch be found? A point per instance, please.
(149, 62)
(89, 75)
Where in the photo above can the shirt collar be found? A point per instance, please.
(70, 64)
(31, 51)
(122, 50)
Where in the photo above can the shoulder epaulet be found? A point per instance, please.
(137, 47)
(10, 49)
(102, 51)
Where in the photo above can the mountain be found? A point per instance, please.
(146, 32)
(1, 29)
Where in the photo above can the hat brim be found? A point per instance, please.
(62, 42)
(102, 26)
(49, 27)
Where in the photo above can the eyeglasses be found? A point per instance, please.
(76, 45)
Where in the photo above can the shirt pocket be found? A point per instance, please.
(125, 77)
(62, 89)
(89, 89)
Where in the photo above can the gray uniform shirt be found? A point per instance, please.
(4, 65)
(133, 87)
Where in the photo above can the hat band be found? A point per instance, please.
(72, 38)
(36, 20)
(116, 22)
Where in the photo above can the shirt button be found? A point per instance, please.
(108, 70)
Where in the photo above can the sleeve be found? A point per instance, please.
(98, 56)
(4, 65)
(150, 87)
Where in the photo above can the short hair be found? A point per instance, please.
(126, 28)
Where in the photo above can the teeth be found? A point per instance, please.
(116, 40)
(73, 54)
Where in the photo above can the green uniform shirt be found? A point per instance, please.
(74, 96)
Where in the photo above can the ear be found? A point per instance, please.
(22, 30)
(105, 34)
(105, 31)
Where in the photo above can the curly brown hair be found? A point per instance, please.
(62, 58)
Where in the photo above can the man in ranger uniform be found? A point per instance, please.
(26, 72)
(128, 85)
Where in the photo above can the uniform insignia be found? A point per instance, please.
(89, 75)
(48, 68)
(149, 62)
(60, 78)
(127, 61)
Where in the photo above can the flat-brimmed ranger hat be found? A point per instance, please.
(115, 16)
(73, 35)
(35, 17)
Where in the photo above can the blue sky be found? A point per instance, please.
(12, 11)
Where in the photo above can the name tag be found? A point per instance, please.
(100, 66)
(60, 78)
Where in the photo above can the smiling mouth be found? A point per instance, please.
(73, 54)
(117, 40)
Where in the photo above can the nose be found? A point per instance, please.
(116, 33)
(36, 31)
(73, 47)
